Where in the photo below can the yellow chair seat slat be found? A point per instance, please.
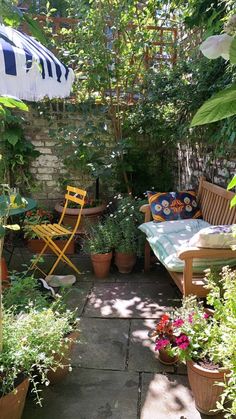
(51, 230)
(48, 232)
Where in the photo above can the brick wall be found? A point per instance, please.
(41, 129)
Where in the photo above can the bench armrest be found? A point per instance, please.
(206, 253)
(146, 210)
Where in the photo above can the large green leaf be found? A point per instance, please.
(232, 183)
(220, 106)
(233, 202)
(232, 52)
(11, 102)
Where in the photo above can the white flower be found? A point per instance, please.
(216, 46)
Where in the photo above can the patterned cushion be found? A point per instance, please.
(168, 206)
(222, 236)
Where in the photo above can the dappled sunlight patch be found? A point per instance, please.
(129, 300)
(168, 395)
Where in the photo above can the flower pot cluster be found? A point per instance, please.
(38, 335)
(117, 235)
(205, 340)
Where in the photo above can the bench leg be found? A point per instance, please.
(147, 257)
(187, 277)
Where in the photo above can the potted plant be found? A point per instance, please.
(30, 341)
(164, 336)
(198, 337)
(91, 213)
(99, 244)
(26, 292)
(41, 216)
(126, 236)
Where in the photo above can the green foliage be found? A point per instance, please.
(124, 222)
(221, 106)
(222, 297)
(17, 153)
(23, 292)
(99, 239)
(30, 342)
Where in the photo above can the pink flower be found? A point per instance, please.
(190, 318)
(161, 343)
(178, 323)
(206, 315)
(182, 341)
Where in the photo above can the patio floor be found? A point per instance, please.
(116, 373)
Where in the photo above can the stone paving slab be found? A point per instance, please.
(159, 275)
(130, 300)
(168, 396)
(103, 344)
(76, 296)
(142, 356)
(89, 394)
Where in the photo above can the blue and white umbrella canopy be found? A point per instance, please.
(30, 71)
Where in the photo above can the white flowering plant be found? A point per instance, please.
(33, 344)
(124, 222)
(223, 104)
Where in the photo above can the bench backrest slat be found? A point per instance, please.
(215, 204)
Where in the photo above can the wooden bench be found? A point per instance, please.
(214, 202)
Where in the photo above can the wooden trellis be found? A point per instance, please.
(163, 50)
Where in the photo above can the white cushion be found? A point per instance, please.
(219, 237)
(151, 228)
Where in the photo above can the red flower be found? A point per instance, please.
(165, 318)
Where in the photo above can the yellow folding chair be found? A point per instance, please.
(50, 232)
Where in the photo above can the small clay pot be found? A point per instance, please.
(101, 264)
(166, 359)
(125, 262)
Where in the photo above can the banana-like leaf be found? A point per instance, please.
(220, 106)
(11, 102)
(232, 183)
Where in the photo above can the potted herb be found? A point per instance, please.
(126, 236)
(35, 244)
(99, 245)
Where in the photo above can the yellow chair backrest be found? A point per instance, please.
(77, 196)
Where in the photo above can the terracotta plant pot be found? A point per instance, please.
(4, 274)
(101, 264)
(125, 262)
(165, 358)
(202, 382)
(36, 246)
(88, 216)
(60, 373)
(12, 405)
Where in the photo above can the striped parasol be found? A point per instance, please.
(30, 71)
